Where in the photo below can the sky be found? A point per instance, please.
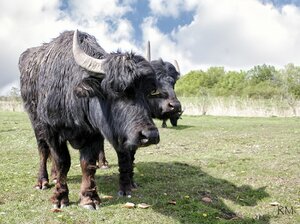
(234, 34)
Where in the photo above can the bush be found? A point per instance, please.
(262, 90)
(262, 81)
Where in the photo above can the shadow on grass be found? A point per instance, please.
(181, 127)
(199, 196)
(192, 190)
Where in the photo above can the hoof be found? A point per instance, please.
(43, 186)
(55, 206)
(104, 167)
(134, 186)
(123, 194)
(89, 207)
(63, 206)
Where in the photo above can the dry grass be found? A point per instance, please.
(15, 106)
(231, 106)
(228, 106)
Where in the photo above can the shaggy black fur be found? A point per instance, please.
(165, 105)
(68, 103)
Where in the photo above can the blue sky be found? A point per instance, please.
(166, 24)
(235, 34)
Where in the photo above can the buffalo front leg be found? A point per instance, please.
(174, 120)
(62, 162)
(126, 173)
(134, 185)
(88, 191)
(164, 123)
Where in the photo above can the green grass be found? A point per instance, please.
(242, 164)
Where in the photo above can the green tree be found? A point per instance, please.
(14, 97)
(14, 94)
(189, 84)
(232, 83)
(291, 85)
(291, 80)
(213, 75)
(261, 73)
(196, 82)
(263, 81)
(265, 89)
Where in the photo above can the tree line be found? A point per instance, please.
(260, 82)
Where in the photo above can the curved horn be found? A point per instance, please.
(84, 60)
(177, 66)
(148, 51)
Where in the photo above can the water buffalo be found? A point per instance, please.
(74, 91)
(165, 104)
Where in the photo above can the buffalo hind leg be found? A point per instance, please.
(62, 162)
(164, 123)
(44, 152)
(89, 197)
(53, 173)
(102, 162)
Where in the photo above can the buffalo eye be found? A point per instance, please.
(154, 93)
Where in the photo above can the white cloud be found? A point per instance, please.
(93, 10)
(30, 23)
(166, 7)
(231, 33)
(162, 46)
(21, 29)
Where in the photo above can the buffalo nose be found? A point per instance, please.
(149, 137)
(175, 106)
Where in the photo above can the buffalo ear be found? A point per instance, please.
(89, 87)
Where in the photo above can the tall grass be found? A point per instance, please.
(11, 105)
(218, 106)
(235, 106)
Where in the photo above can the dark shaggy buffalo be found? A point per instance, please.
(74, 91)
(165, 105)
(163, 102)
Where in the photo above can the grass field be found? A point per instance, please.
(216, 169)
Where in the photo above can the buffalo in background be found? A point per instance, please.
(165, 105)
(74, 91)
